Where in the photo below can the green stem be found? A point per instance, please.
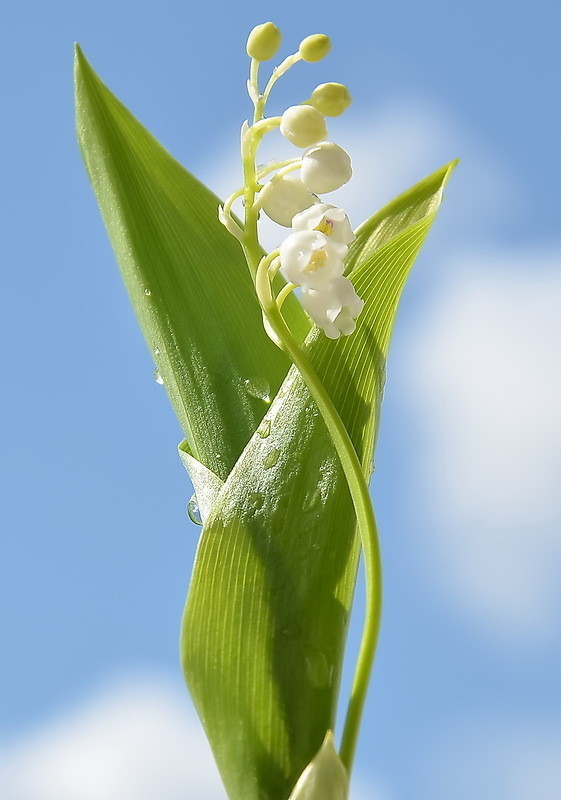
(358, 487)
(278, 72)
(277, 165)
(250, 242)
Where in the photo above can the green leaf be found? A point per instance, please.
(268, 609)
(186, 276)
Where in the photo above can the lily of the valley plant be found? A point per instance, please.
(275, 365)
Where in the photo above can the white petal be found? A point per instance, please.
(325, 167)
(303, 125)
(332, 331)
(310, 218)
(295, 253)
(285, 198)
(311, 259)
(328, 219)
(345, 323)
(333, 306)
(314, 304)
(344, 290)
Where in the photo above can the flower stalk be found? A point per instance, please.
(311, 257)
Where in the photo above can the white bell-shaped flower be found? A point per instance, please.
(310, 258)
(303, 125)
(330, 220)
(325, 168)
(285, 197)
(334, 306)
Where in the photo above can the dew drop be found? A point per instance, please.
(312, 499)
(157, 377)
(193, 511)
(271, 458)
(147, 292)
(259, 388)
(264, 429)
(156, 351)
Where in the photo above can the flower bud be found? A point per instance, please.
(303, 125)
(325, 778)
(315, 47)
(285, 198)
(325, 167)
(331, 99)
(263, 41)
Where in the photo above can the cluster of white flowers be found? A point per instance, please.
(312, 257)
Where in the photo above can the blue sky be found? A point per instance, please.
(96, 547)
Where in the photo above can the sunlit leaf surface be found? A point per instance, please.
(186, 277)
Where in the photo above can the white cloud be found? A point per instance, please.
(483, 371)
(136, 741)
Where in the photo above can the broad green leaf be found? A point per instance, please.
(267, 613)
(186, 277)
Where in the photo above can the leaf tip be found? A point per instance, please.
(82, 67)
(449, 169)
(79, 57)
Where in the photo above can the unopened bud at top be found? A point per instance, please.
(315, 47)
(331, 99)
(263, 41)
(303, 125)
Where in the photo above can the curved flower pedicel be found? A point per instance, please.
(311, 257)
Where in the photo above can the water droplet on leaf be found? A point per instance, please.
(259, 388)
(271, 458)
(193, 511)
(264, 429)
(157, 377)
(312, 499)
(147, 292)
